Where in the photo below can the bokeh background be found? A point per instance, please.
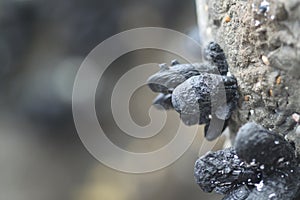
(42, 44)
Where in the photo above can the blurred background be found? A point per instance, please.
(42, 44)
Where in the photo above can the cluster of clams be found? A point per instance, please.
(261, 165)
(199, 92)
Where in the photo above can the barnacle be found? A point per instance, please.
(264, 157)
(194, 90)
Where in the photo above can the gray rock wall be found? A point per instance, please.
(261, 42)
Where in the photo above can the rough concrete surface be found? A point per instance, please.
(261, 41)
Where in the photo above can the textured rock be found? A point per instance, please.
(261, 41)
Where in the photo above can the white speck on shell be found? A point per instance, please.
(259, 186)
(272, 195)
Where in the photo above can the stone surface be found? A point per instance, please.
(261, 41)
